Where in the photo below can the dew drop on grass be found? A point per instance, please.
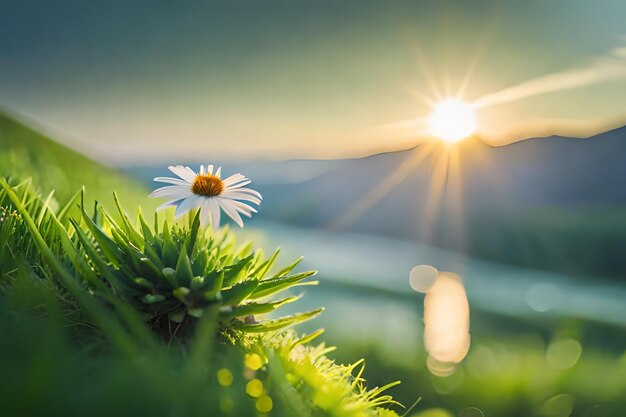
(264, 404)
(253, 361)
(224, 377)
(254, 388)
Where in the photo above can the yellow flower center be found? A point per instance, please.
(207, 185)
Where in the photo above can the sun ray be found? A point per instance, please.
(454, 195)
(384, 187)
(481, 47)
(427, 74)
(428, 100)
(436, 193)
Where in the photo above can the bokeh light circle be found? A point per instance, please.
(422, 277)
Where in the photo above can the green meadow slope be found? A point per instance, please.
(26, 153)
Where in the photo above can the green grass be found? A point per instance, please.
(82, 295)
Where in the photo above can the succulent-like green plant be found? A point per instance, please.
(174, 274)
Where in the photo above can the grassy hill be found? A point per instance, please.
(26, 153)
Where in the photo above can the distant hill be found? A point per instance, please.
(26, 153)
(551, 203)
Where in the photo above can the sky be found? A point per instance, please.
(134, 82)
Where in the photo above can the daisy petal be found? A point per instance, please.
(173, 192)
(238, 184)
(218, 172)
(205, 211)
(185, 173)
(215, 213)
(242, 208)
(230, 210)
(172, 203)
(249, 191)
(187, 204)
(169, 180)
(233, 179)
(235, 195)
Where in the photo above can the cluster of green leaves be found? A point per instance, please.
(109, 282)
(172, 274)
(175, 273)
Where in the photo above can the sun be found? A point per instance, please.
(452, 120)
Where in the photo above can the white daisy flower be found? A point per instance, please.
(208, 192)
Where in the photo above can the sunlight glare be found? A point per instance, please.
(446, 319)
(452, 120)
